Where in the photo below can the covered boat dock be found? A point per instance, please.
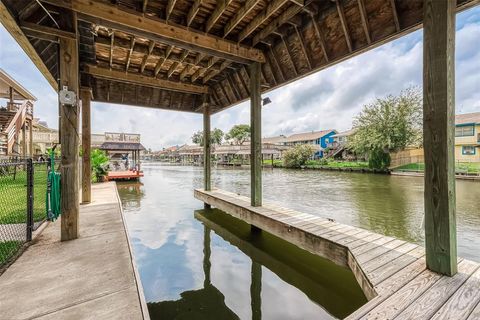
(205, 56)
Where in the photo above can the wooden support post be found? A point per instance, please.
(206, 144)
(439, 135)
(69, 123)
(256, 135)
(86, 95)
(256, 290)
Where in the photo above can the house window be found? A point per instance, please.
(464, 131)
(468, 150)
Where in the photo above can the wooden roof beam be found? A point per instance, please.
(162, 60)
(320, 37)
(9, 22)
(112, 39)
(276, 23)
(259, 19)
(170, 6)
(343, 21)
(151, 45)
(289, 53)
(138, 79)
(138, 25)
(174, 65)
(363, 15)
(217, 13)
(301, 40)
(192, 13)
(395, 15)
(239, 16)
(213, 73)
(129, 56)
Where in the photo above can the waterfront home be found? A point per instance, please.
(467, 137)
(16, 117)
(320, 139)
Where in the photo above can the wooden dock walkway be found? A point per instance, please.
(92, 277)
(391, 272)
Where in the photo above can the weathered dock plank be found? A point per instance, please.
(391, 272)
(91, 277)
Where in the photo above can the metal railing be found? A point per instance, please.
(23, 187)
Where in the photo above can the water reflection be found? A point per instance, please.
(319, 279)
(208, 263)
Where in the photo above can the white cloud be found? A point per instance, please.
(327, 99)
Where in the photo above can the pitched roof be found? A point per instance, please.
(6, 82)
(274, 140)
(473, 117)
(345, 133)
(122, 146)
(307, 136)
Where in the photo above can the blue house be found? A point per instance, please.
(320, 139)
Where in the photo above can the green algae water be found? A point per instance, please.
(204, 264)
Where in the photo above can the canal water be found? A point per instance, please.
(197, 264)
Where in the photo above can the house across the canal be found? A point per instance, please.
(467, 137)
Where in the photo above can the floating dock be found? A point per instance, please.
(391, 272)
(124, 175)
(91, 277)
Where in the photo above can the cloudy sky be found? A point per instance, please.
(328, 99)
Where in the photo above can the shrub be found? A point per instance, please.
(378, 159)
(99, 164)
(298, 155)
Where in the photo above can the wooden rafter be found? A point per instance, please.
(9, 22)
(289, 53)
(162, 60)
(277, 65)
(213, 73)
(395, 15)
(139, 79)
(259, 19)
(320, 37)
(138, 25)
(192, 13)
(233, 88)
(239, 16)
(217, 13)
(363, 15)
(169, 9)
(112, 39)
(301, 40)
(239, 79)
(343, 22)
(185, 72)
(174, 65)
(129, 55)
(27, 10)
(201, 72)
(276, 23)
(151, 45)
(28, 26)
(222, 88)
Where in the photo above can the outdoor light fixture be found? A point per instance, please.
(266, 101)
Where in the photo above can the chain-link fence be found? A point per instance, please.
(23, 187)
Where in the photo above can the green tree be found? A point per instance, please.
(298, 155)
(239, 133)
(99, 161)
(387, 125)
(216, 137)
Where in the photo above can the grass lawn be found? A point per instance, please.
(323, 163)
(460, 167)
(8, 249)
(13, 195)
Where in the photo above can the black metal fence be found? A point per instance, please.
(23, 187)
